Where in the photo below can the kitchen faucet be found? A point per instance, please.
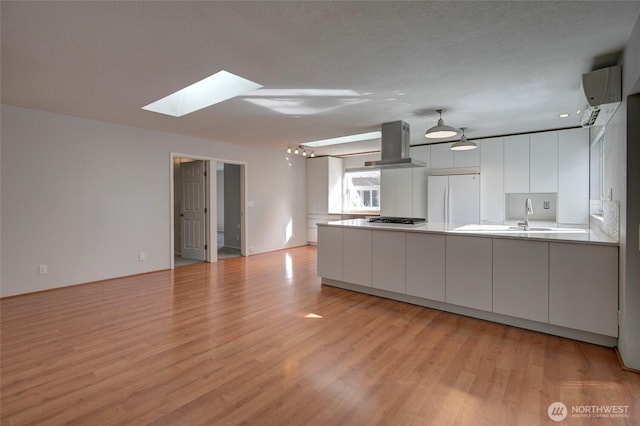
(524, 224)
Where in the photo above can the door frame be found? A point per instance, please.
(211, 204)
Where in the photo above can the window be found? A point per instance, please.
(363, 191)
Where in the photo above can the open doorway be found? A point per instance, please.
(229, 210)
(229, 204)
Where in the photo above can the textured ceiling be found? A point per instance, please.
(328, 68)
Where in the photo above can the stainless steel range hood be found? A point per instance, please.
(395, 148)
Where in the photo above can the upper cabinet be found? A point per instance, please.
(396, 192)
(531, 163)
(441, 156)
(469, 158)
(491, 180)
(543, 162)
(516, 164)
(324, 185)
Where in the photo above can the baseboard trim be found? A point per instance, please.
(621, 362)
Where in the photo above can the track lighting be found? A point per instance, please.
(300, 150)
(441, 131)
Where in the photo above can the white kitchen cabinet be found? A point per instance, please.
(330, 254)
(324, 185)
(468, 158)
(521, 279)
(356, 249)
(583, 287)
(389, 254)
(492, 180)
(442, 156)
(543, 162)
(573, 179)
(469, 272)
(396, 192)
(420, 177)
(516, 164)
(425, 274)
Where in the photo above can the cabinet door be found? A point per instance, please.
(543, 162)
(469, 158)
(521, 279)
(583, 287)
(441, 156)
(468, 272)
(491, 181)
(356, 249)
(330, 252)
(420, 177)
(396, 192)
(404, 192)
(388, 180)
(335, 173)
(420, 188)
(389, 258)
(516, 164)
(426, 265)
(573, 179)
(317, 189)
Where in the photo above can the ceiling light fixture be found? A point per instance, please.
(463, 144)
(441, 130)
(564, 115)
(300, 150)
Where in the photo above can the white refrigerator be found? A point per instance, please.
(454, 199)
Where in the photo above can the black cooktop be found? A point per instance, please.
(399, 220)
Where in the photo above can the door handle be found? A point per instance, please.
(181, 214)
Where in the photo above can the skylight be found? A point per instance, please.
(216, 88)
(345, 139)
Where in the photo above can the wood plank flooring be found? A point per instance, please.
(234, 343)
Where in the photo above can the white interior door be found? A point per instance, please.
(193, 220)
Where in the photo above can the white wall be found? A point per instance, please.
(84, 197)
(617, 160)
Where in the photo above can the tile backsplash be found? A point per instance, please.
(609, 221)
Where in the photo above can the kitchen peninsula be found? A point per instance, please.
(560, 281)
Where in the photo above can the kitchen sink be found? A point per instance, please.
(498, 229)
(531, 228)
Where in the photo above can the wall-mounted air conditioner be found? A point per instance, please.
(603, 90)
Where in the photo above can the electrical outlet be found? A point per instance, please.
(546, 205)
(142, 256)
(42, 270)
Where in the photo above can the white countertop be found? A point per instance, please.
(556, 234)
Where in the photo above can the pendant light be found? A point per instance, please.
(463, 144)
(441, 131)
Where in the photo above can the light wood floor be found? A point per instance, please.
(232, 343)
